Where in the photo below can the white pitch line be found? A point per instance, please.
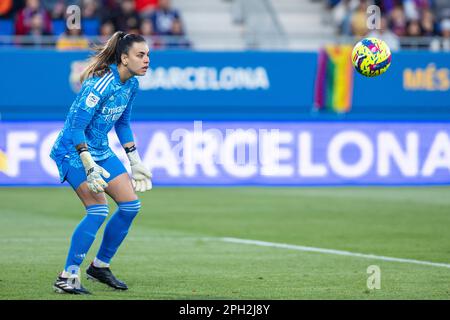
(331, 251)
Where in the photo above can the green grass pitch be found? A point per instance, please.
(175, 249)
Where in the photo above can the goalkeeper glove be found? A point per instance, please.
(140, 175)
(94, 173)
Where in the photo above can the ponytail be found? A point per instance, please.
(103, 57)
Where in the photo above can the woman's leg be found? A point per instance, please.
(85, 232)
(122, 192)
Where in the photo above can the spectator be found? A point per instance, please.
(177, 39)
(127, 19)
(387, 5)
(410, 9)
(17, 6)
(423, 4)
(90, 9)
(398, 21)
(163, 18)
(427, 23)
(414, 19)
(385, 34)
(445, 31)
(5, 7)
(439, 44)
(10, 12)
(359, 19)
(72, 39)
(414, 32)
(332, 3)
(58, 11)
(413, 29)
(146, 30)
(146, 7)
(35, 32)
(37, 27)
(342, 15)
(107, 29)
(26, 19)
(110, 4)
(57, 8)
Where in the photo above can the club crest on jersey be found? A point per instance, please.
(92, 100)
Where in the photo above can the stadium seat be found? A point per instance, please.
(6, 27)
(59, 26)
(90, 27)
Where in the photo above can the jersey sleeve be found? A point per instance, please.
(122, 126)
(91, 96)
(94, 93)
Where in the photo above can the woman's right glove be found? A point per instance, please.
(94, 173)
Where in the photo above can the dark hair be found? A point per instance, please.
(111, 52)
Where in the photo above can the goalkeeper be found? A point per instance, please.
(85, 160)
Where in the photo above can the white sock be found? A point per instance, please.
(66, 274)
(100, 264)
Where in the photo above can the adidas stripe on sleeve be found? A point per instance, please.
(92, 95)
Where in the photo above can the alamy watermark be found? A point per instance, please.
(73, 20)
(74, 278)
(373, 17)
(232, 146)
(374, 279)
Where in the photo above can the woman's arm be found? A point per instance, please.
(122, 126)
(141, 176)
(88, 102)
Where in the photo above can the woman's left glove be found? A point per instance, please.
(141, 177)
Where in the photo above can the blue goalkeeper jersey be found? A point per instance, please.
(103, 102)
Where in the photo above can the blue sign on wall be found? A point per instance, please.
(253, 153)
(37, 84)
(415, 81)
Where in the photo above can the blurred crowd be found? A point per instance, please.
(411, 24)
(155, 19)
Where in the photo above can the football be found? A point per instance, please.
(371, 57)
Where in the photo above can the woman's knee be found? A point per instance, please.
(130, 208)
(121, 189)
(90, 198)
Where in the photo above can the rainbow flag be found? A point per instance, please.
(334, 79)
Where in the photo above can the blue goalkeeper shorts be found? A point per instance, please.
(76, 176)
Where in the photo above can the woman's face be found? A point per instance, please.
(137, 60)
